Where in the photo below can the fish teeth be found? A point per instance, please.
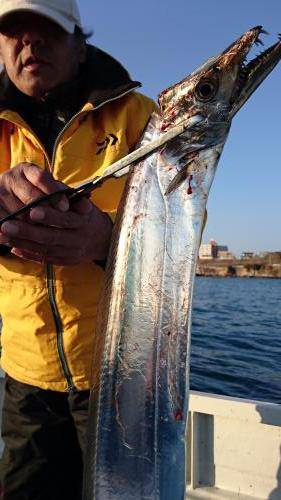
(258, 41)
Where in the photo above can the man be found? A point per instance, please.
(67, 111)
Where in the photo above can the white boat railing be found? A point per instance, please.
(234, 448)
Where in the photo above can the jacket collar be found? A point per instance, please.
(101, 78)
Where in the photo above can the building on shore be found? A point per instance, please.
(208, 250)
(225, 255)
(274, 258)
(212, 250)
(247, 255)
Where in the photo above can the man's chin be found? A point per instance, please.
(35, 87)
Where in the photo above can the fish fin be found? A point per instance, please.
(180, 177)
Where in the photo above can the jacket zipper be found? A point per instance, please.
(59, 327)
(50, 269)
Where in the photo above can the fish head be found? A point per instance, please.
(207, 99)
(221, 86)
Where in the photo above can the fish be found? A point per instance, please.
(139, 396)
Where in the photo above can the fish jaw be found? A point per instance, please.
(254, 73)
(221, 86)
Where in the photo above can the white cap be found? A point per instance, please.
(63, 12)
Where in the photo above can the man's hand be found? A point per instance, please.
(56, 235)
(24, 183)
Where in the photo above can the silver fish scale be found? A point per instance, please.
(144, 381)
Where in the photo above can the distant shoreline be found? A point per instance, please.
(268, 267)
(200, 275)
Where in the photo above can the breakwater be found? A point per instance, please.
(266, 267)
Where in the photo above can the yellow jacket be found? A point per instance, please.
(49, 312)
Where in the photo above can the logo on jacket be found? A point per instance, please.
(110, 140)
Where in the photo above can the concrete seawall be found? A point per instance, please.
(254, 268)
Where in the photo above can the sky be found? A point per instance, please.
(160, 42)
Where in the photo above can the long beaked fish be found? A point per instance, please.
(139, 397)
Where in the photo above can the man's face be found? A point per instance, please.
(38, 55)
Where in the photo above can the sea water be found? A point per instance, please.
(236, 337)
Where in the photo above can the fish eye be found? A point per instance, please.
(206, 90)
